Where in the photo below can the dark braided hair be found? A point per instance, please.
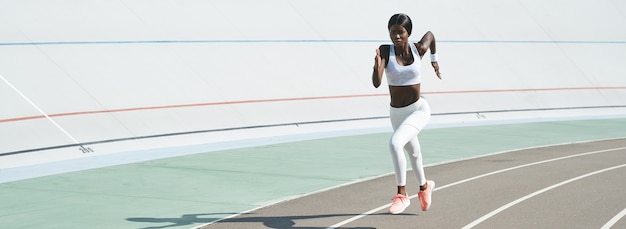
(403, 20)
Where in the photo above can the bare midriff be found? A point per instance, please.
(402, 96)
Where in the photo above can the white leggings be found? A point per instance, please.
(407, 122)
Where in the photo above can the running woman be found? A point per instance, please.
(409, 112)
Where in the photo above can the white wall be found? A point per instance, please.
(128, 70)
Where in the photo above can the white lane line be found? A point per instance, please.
(39, 109)
(506, 206)
(614, 220)
(471, 179)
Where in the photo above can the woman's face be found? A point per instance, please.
(398, 34)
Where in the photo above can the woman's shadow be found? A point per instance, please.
(278, 222)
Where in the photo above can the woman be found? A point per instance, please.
(409, 113)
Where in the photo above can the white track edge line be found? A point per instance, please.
(474, 178)
(512, 203)
(386, 174)
(293, 198)
(524, 148)
(614, 220)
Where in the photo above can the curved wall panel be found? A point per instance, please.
(131, 75)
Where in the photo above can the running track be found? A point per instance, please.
(564, 186)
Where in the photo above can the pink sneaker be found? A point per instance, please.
(425, 196)
(399, 203)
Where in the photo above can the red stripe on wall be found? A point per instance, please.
(299, 99)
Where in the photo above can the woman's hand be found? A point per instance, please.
(436, 67)
(378, 61)
(377, 74)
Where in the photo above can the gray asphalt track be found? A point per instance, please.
(566, 186)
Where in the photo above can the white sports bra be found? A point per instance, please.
(399, 75)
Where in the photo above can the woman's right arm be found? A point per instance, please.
(380, 62)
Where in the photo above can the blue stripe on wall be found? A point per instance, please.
(294, 41)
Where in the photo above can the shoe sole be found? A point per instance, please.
(398, 212)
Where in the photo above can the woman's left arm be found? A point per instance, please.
(428, 42)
